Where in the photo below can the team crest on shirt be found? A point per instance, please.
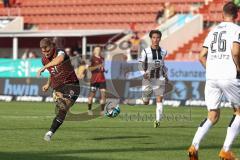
(239, 36)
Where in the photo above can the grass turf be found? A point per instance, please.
(129, 136)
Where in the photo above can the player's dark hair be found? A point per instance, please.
(46, 42)
(155, 32)
(231, 9)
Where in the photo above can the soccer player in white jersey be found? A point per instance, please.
(154, 78)
(221, 58)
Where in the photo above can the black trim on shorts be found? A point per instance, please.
(99, 85)
(70, 91)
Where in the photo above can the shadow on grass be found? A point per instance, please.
(79, 154)
(119, 137)
(43, 156)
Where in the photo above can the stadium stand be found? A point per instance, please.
(90, 14)
(190, 50)
(114, 14)
(212, 11)
(211, 15)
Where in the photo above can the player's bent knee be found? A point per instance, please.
(57, 95)
(213, 116)
(62, 109)
(237, 111)
(214, 120)
(90, 99)
(159, 99)
(60, 103)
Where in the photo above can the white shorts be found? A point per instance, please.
(215, 89)
(153, 85)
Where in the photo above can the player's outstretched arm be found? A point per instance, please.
(236, 54)
(92, 68)
(203, 56)
(80, 71)
(59, 59)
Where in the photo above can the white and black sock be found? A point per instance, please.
(232, 132)
(201, 132)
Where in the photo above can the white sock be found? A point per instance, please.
(201, 132)
(232, 132)
(159, 111)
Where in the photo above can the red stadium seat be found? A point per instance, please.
(193, 47)
(80, 14)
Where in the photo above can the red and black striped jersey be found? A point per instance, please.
(62, 73)
(98, 74)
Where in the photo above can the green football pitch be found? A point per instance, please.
(130, 136)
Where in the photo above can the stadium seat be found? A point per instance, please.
(80, 14)
(193, 47)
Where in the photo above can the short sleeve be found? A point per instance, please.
(164, 54)
(207, 41)
(61, 53)
(236, 37)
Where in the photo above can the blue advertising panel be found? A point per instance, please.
(19, 68)
(177, 71)
(185, 71)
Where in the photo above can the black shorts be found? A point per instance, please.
(100, 85)
(70, 91)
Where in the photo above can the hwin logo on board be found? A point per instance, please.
(20, 89)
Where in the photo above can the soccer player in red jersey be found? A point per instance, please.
(62, 80)
(98, 80)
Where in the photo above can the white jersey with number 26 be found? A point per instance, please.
(220, 64)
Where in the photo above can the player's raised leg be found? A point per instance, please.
(63, 106)
(64, 99)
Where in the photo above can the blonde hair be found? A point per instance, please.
(46, 42)
(95, 48)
